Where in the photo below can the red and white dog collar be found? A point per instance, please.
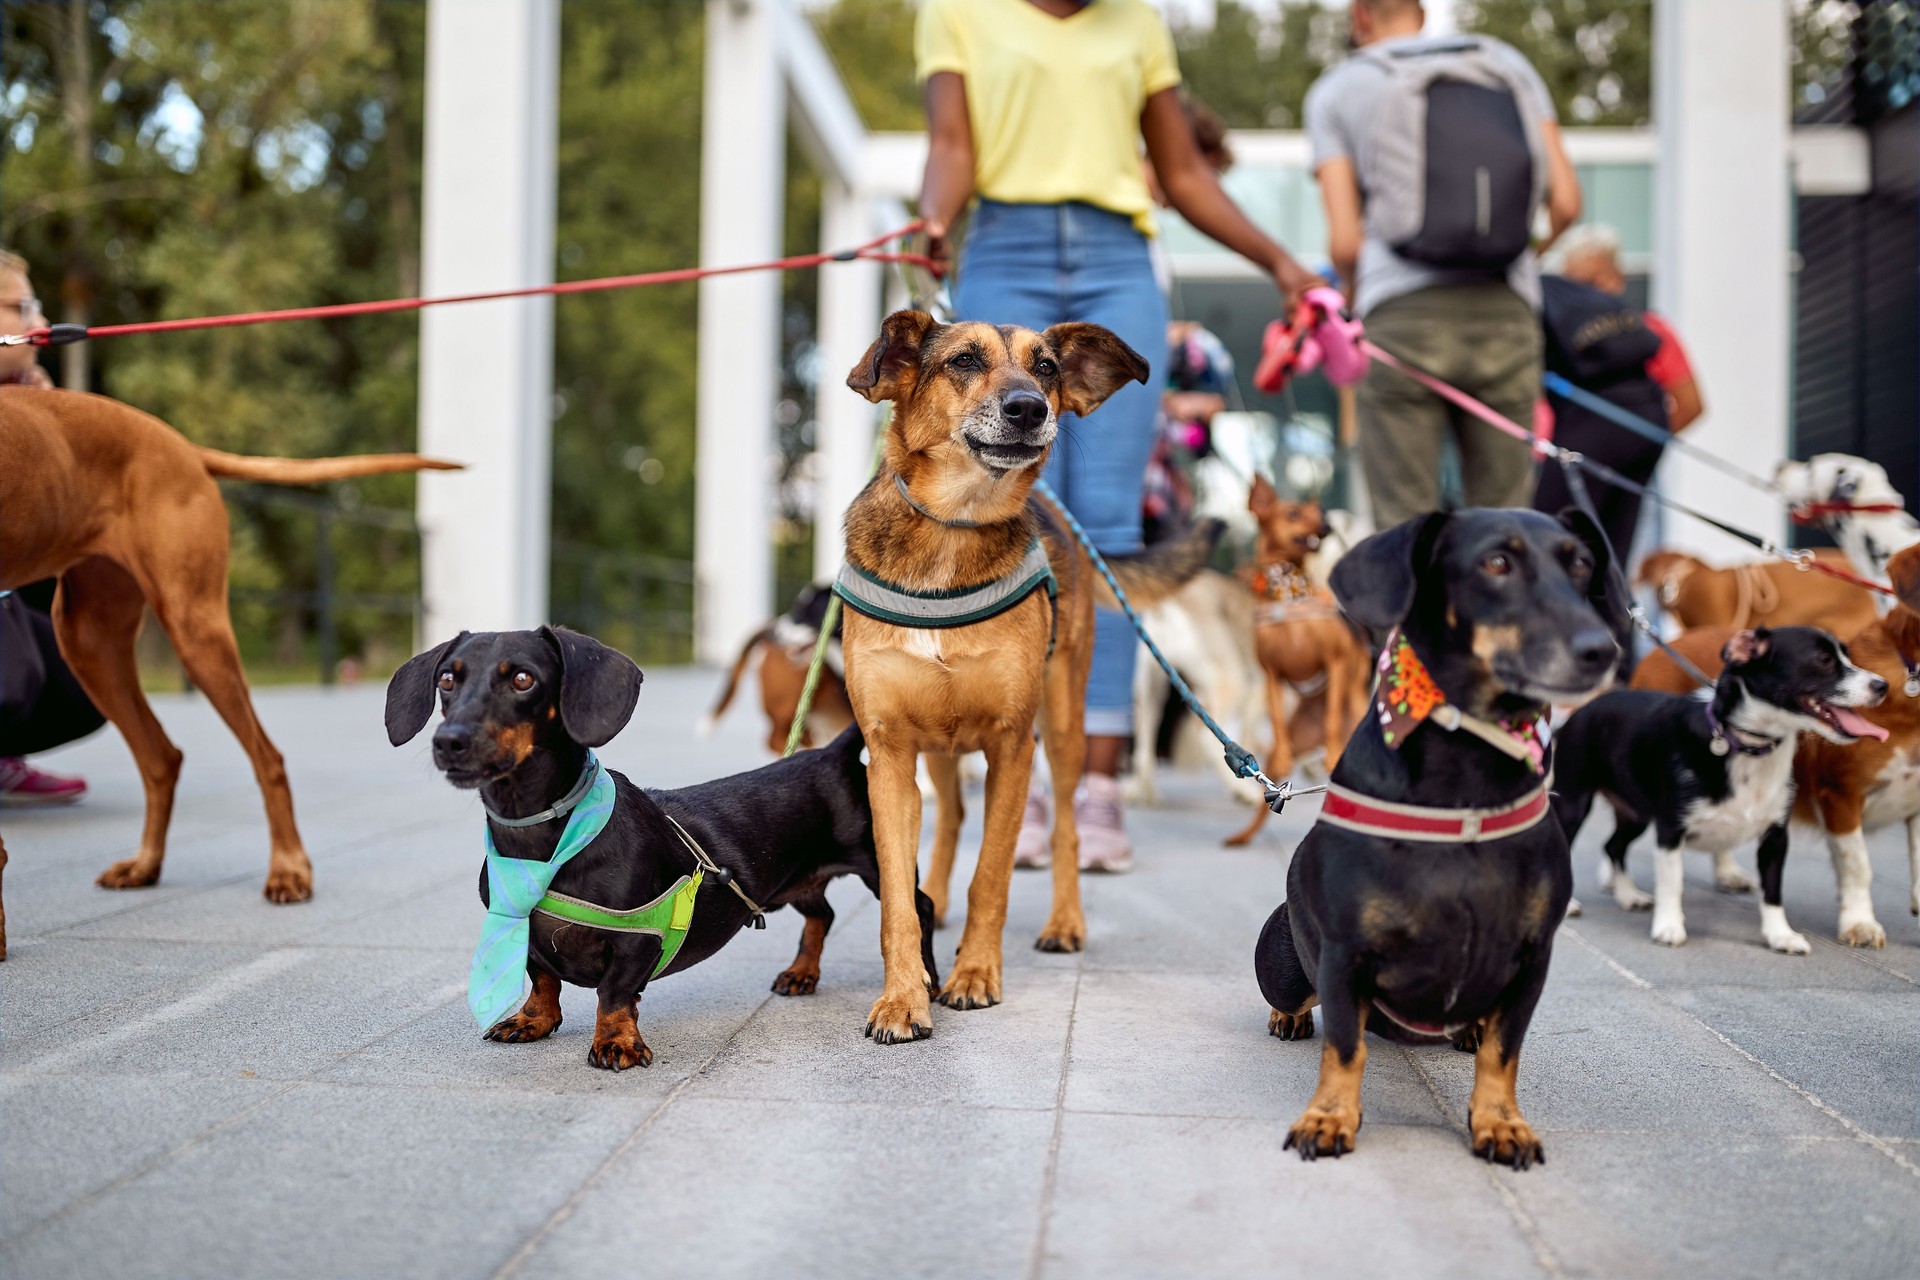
(1355, 812)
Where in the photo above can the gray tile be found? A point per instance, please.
(724, 1187)
(1197, 1045)
(1657, 1205)
(54, 980)
(1154, 1196)
(1855, 1050)
(68, 1136)
(332, 1181)
(282, 1014)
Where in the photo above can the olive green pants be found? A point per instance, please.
(1482, 338)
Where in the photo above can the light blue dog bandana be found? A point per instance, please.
(497, 984)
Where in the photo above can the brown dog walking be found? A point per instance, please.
(970, 614)
(124, 510)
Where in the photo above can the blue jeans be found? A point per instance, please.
(1036, 265)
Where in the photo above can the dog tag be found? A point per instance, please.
(1913, 684)
(1719, 746)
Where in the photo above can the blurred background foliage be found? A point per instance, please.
(179, 157)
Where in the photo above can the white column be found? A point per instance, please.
(486, 368)
(849, 320)
(1721, 269)
(742, 192)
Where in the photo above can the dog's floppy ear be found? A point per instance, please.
(1903, 571)
(410, 692)
(1746, 646)
(598, 687)
(893, 361)
(1094, 364)
(1607, 590)
(1375, 581)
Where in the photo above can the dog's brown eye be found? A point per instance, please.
(965, 360)
(1497, 564)
(446, 681)
(523, 680)
(1045, 368)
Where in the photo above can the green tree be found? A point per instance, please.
(872, 45)
(1596, 56)
(1254, 68)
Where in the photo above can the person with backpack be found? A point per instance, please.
(1434, 154)
(1630, 358)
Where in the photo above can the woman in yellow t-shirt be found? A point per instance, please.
(1038, 108)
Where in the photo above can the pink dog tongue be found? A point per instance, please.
(1853, 722)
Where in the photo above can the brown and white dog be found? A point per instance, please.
(976, 412)
(1765, 594)
(785, 647)
(1300, 637)
(1844, 792)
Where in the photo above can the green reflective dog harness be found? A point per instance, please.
(960, 607)
(667, 917)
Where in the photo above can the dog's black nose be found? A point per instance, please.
(1025, 410)
(1879, 687)
(1594, 649)
(451, 741)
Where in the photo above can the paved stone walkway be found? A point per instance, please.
(197, 1083)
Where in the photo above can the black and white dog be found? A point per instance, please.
(1854, 501)
(1710, 774)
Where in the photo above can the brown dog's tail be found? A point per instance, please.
(712, 718)
(238, 466)
(1151, 576)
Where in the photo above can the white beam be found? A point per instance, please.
(742, 195)
(849, 319)
(1722, 192)
(826, 122)
(486, 368)
(1832, 160)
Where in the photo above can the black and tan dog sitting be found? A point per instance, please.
(1423, 903)
(521, 711)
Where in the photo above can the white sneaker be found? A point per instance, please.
(1101, 816)
(1034, 849)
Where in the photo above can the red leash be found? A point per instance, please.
(61, 334)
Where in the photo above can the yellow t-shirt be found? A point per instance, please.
(1054, 102)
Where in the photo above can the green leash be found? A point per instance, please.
(813, 677)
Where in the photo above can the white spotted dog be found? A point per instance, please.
(1856, 504)
(1711, 774)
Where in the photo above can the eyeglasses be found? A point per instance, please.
(24, 307)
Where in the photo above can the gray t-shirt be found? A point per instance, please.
(1339, 113)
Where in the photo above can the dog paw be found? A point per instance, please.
(1140, 792)
(1630, 896)
(1789, 942)
(1669, 931)
(796, 982)
(897, 1020)
(972, 986)
(1732, 880)
(289, 884)
(1467, 1038)
(1507, 1140)
(523, 1027)
(129, 873)
(1863, 933)
(1062, 933)
(1573, 908)
(617, 1053)
(1323, 1133)
(1290, 1026)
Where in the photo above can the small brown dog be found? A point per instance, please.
(1767, 594)
(1300, 636)
(124, 510)
(1847, 791)
(952, 644)
(786, 646)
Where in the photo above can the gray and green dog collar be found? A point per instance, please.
(960, 607)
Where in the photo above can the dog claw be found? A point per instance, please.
(127, 874)
(790, 983)
(1290, 1026)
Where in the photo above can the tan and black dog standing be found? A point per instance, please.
(951, 513)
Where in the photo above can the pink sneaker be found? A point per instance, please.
(1102, 819)
(1034, 849)
(22, 785)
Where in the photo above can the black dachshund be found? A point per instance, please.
(521, 710)
(1422, 905)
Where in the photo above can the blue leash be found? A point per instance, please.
(1633, 422)
(1239, 759)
